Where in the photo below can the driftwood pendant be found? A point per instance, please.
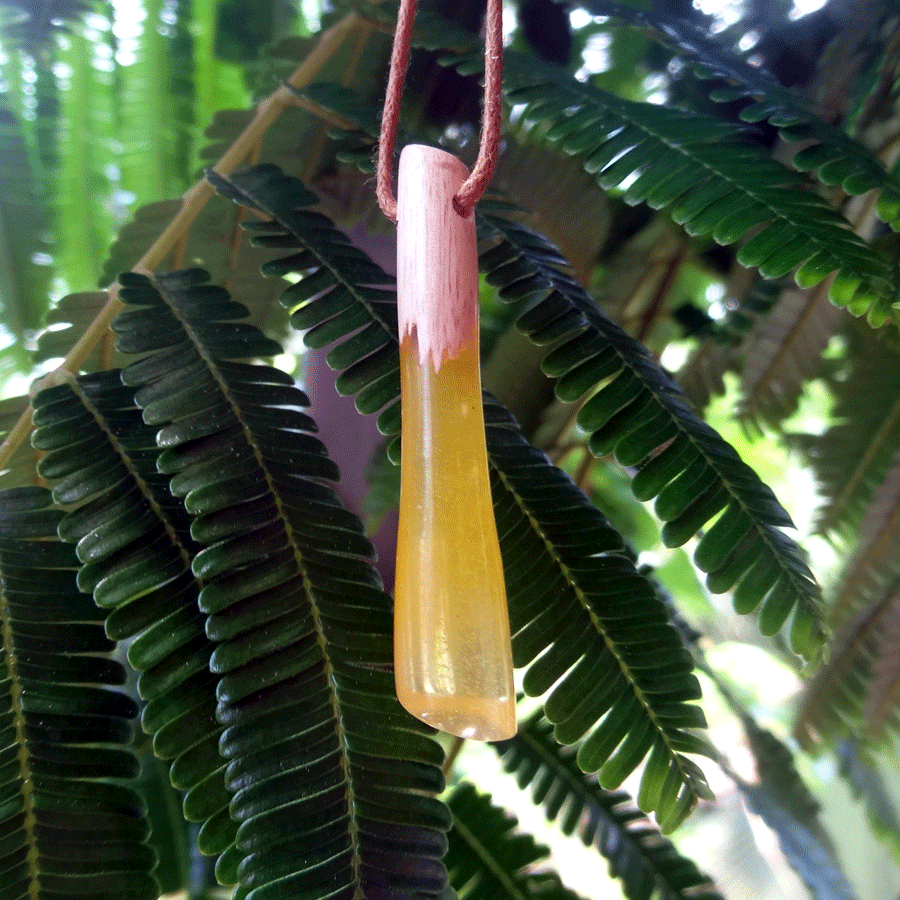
(452, 652)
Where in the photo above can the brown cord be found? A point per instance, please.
(476, 184)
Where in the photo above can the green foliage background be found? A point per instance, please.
(689, 246)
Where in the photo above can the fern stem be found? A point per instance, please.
(452, 755)
(8, 648)
(193, 203)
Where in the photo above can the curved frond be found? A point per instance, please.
(784, 351)
(619, 678)
(637, 705)
(831, 153)
(647, 864)
(333, 781)
(69, 318)
(852, 457)
(703, 375)
(488, 860)
(69, 824)
(710, 179)
(880, 710)
(833, 699)
(216, 242)
(133, 538)
(870, 787)
(641, 417)
(785, 804)
(876, 556)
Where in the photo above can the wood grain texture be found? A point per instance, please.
(437, 255)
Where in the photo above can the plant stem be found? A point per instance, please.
(192, 204)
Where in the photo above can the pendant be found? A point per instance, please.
(452, 651)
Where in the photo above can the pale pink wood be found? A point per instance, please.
(437, 255)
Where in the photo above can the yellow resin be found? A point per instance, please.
(453, 660)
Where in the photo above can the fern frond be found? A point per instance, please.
(783, 352)
(831, 153)
(642, 417)
(618, 676)
(641, 414)
(703, 375)
(334, 782)
(215, 243)
(876, 555)
(834, 697)
(543, 521)
(133, 538)
(343, 294)
(710, 179)
(852, 457)
(647, 864)
(69, 823)
(869, 786)
(68, 319)
(880, 711)
(488, 860)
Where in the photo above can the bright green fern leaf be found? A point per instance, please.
(829, 152)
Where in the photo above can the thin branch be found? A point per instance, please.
(452, 754)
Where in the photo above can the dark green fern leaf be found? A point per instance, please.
(712, 181)
(637, 706)
(641, 417)
(334, 782)
(647, 864)
(829, 152)
(343, 294)
(69, 824)
(133, 538)
(488, 860)
(618, 676)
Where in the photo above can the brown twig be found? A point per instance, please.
(450, 759)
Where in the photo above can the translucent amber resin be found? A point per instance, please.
(453, 661)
